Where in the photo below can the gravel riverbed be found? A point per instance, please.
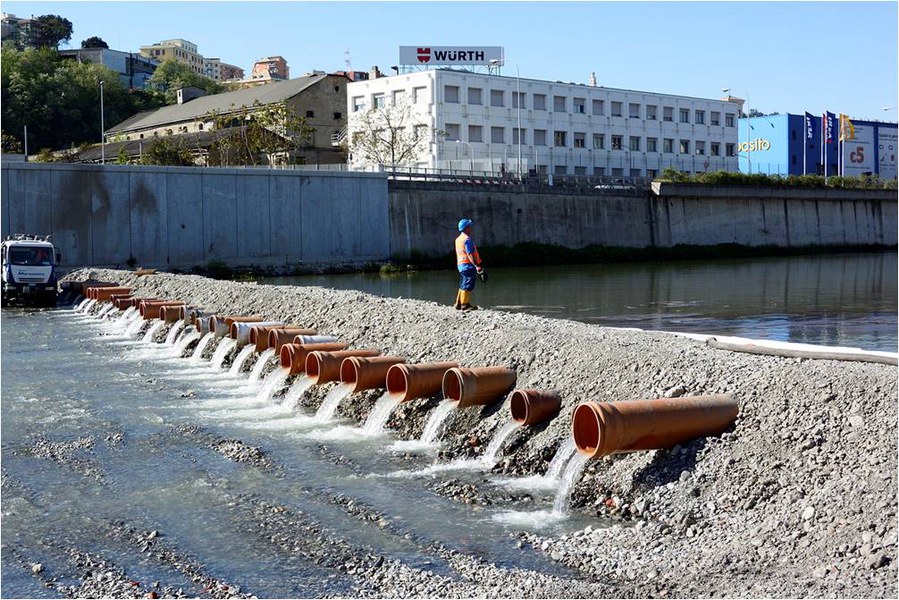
(798, 498)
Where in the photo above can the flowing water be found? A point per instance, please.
(256, 373)
(827, 299)
(174, 331)
(135, 431)
(332, 401)
(242, 356)
(496, 443)
(380, 414)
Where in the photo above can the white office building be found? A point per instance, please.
(473, 122)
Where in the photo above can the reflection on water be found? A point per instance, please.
(834, 300)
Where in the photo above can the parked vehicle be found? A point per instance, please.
(29, 269)
(618, 185)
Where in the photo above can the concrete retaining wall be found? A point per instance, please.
(175, 217)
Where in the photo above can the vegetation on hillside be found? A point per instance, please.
(864, 182)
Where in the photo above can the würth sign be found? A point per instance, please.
(451, 55)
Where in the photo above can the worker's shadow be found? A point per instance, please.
(666, 466)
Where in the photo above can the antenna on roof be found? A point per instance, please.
(346, 60)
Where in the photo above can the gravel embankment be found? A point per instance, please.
(797, 499)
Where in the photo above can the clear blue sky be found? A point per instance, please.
(785, 56)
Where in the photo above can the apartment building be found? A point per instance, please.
(217, 70)
(271, 67)
(179, 50)
(494, 123)
(134, 69)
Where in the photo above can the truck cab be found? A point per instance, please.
(29, 270)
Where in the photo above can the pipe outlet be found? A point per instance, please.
(314, 339)
(293, 356)
(149, 309)
(241, 330)
(478, 386)
(322, 367)
(102, 293)
(170, 313)
(417, 381)
(114, 299)
(603, 428)
(127, 302)
(279, 336)
(534, 406)
(363, 373)
(220, 325)
(85, 288)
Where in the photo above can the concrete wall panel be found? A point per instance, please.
(111, 217)
(375, 217)
(253, 216)
(347, 227)
(286, 218)
(219, 216)
(37, 200)
(149, 218)
(72, 215)
(317, 219)
(185, 223)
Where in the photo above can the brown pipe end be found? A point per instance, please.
(324, 367)
(480, 386)
(293, 356)
(417, 381)
(367, 373)
(586, 428)
(530, 406)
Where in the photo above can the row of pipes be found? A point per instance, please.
(598, 428)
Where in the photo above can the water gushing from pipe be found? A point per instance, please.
(297, 390)
(148, 337)
(204, 342)
(185, 341)
(240, 359)
(134, 327)
(569, 479)
(436, 419)
(260, 364)
(271, 385)
(173, 332)
(224, 347)
(489, 457)
(326, 411)
(563, 455)
(380, 413)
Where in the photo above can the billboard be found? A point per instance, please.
(858, 153)
(886, 152)
(451, 55)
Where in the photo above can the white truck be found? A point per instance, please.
(29, 269)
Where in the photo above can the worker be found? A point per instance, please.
(469, 263)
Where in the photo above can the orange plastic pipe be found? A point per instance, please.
(477, 386)
(114, 299)
(534, 406)
(367, 373)
(417, 381)
(102, 294)
(221, 325)
(279, 336)
(89, 290)
(259, 336)
(293, 356)
(150, 309)
(322, 367)
(242, 331)
(170, 313)
(603, 428)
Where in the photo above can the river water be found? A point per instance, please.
(101, 428)
(831, 299)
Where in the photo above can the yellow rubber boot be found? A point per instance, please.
(466, 301)
(458, 303)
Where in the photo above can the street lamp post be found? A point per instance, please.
(102, 128)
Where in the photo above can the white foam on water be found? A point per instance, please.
(221, 352)
(489, 457)
(271, 385)
(197, 356)
(436, 419)
(570, 477)
(127, 314)
(416, 446)
(460, 464)
(87, 307)
(329, 405)
(342, 433)
(81, 305)
(260, 364)
(535, 519)
(292, 422)
(148, 337)
(380, 413)
(296, 391)
(173, 332)
(105, 310)
(134, 328)
(532, 482)
(240, 359)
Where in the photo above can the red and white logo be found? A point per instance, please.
(424, 55)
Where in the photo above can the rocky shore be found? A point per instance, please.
(798, 498)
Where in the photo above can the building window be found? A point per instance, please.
(560, 170)
(475, 133)
(715, 118)
(617, 172)
(496, 98)
(452, 132)
(700, 147)
(519, 133)
(358, 103)
(474, 96)
(539, 101)
(616, 109)
(580, 170)
(338, 116)
(668, 114)
(599, 107)
(599, 141)
(633, 110)
(539, 137)
(684, 146)
(498, 135)
(728, 119)
(419, 94)
(715, 149)
(310, 114)
(652, 112)
(559, 138)
(399, 97)
(667, 145)
(518, 100)
(729, 149)
(616, 142)
(652, 144)
(378, 101)
(558, 103)
(599, 171)
(634, 143)
(451, 94)
(580, 140)
(699, 117)
(651, 173)
(684, 115)
(580, 106)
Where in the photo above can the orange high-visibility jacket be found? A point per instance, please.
(462, 255)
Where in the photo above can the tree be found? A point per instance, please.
(48, 31)
(388, 136)
(166, 152)
(94, 42)
(757, 113)
(171, 75)
(244, 135)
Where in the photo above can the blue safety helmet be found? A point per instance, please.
(464, 223)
